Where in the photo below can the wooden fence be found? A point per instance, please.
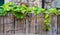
(28, 25)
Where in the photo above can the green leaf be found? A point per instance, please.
(24, 9)
(2, 12)
(52, 10)
(36, 10)
(47, 28)
(18, 15)
(42, 10)
(46, 15)
(8, 6)
(58, 13)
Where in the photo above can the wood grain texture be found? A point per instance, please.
(28, 25)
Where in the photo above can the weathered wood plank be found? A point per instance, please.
(1, 24)
(53, 24)
(40, 22)
(20, 26)
(58, 23)
(31, 24)
(8, 23)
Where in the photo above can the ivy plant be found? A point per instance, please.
(5, 8)
(46, 21)
(46, 16)
(16, 12)
(21, 11)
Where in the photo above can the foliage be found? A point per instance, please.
(2, 11)
(58, 13)
(8, 6)
(35, 10)
(46, 21)
(16, 12)
(21, 11)
(5, 8)
(53, 10)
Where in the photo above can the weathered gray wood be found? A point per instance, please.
(28, 25)
(40, 22)
(53, 24)
(1, 24)
(31, 23)
(19, 26)
(8, 23)
(58, 23)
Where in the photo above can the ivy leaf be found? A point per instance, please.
(46, 22)
(47, 28)
(46, 15)
(36, 10)
(42, 10)
(58, 12)
(2, 12)
(52, 10)
(23, 9)
(27, 11)
(8, 6)
(17, 9)
(18, 15)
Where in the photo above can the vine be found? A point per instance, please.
(46, 22)
(21, 11)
